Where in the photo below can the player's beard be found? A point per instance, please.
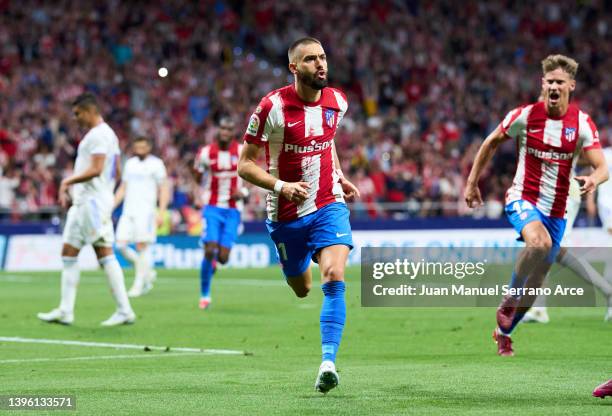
(311, 80)
(223, 142)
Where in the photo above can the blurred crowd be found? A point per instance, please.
(426, 81)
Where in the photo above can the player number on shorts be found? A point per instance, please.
(282, 251)
(525, 207)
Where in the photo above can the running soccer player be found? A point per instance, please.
(223, 202)
(89, 218)
(307, 216)
(550, 135)
(144, 178)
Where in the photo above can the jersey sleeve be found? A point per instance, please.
(589, 136)
(98, 145)
(342, 104)
(261, 123)
(160, 174)
(202, 160)
(514, 122)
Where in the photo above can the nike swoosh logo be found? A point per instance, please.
(292, 124)
(338, 235)
(534, 130)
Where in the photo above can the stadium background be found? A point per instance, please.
(426, 81)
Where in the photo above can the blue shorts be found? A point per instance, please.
(299, 240)
(220, 225)
(521, 212)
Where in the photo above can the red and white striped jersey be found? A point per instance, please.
(548, 149)
(223, 180)
(298, 137)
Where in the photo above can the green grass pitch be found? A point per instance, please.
(391, 361)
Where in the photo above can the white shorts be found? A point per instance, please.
(88, 223)
(137, 228)
(605, 214)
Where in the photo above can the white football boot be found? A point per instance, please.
(56, 316)
(327, 378)
(537, 314)
(120, 318)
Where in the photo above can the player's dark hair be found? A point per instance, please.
(301, 41)
(227, 120)
(86, 100)
(142, 139)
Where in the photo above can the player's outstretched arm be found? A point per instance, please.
(484, 155)
(95, 169)
(250, 171)
(600, 174)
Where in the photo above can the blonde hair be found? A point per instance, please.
(566, 63)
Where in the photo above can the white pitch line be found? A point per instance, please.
(100, 357)
(118, 346)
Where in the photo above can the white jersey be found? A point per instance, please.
(142, 179)
(100, 140)
(604, 191)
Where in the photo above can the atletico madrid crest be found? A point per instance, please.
(330, 117)
(570, 134)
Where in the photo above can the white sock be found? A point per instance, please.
(129, 253)
(116, 282)
(584, 269)
(143, 264)
(608, 270)
(70, 282)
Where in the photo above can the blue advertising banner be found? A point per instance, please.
(185, 252)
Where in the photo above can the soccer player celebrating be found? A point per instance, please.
(89, 217)
(223, 202)
(307, 216)
(144, 178)
(550, 135)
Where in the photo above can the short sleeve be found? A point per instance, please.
(589, 136)
(514, 122)
(260, 123)
(98, 145)
(202, 160)
(160, 172)
(342, 104)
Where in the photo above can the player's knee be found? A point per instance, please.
(209, 252)
(332, 272)
(540, 242)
